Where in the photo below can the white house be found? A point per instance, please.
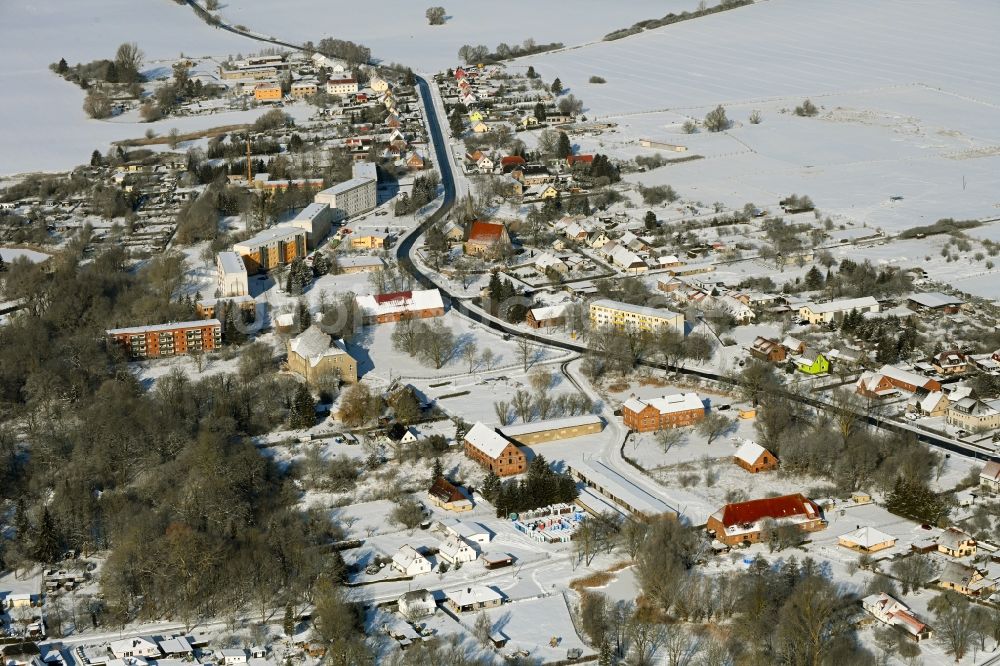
(473, 598)
(409, 562)
(416, 604)
(140, 646)
(231, 656)
(821, 313)
(457, 550)
(990, 476)
(895, 613)
(474, 533)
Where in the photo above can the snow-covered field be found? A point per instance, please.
(44, 126)
(397, 31)
(907, 102)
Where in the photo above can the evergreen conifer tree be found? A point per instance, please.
(47, 541)
(289, 622)
(303, 413)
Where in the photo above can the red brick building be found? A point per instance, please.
(493, 451)
(745, 521)
(670, 411)
(754, 458)
(171, 339)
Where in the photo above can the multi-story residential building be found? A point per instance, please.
(973, 414)
(248, 73)
(341, 86)
(670, 411)
(352, 197)
(271, 248)
(172, 339)
(746, 521)
(304, 88)
(626, 317)
(494, 452)
(384, 308)
(267, 91)
(232, 275)
(824, 313)
(314, 219)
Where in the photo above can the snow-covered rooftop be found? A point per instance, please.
(486, 439)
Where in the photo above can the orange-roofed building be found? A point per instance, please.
(486, 237)
(573, 160)
(745, 521)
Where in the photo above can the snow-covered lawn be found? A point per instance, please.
(532, 624)
(9, 254)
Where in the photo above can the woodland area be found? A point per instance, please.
(164, 482)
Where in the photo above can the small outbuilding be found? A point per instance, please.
(754, 458)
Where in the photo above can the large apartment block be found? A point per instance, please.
(624, 316)
(352, 197)
(232, 274)
(170, 339)
(271, 248)
(314, 219)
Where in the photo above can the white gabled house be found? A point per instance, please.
(457, 550)
(409, 562)
(416, 604)
(895, 613)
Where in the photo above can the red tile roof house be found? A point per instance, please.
(511, 162)
(384, 308)
(485, 236)
(745, 521)
(573, 160)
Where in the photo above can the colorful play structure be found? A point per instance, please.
(555, 523)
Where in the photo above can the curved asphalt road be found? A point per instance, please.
(405, 248)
